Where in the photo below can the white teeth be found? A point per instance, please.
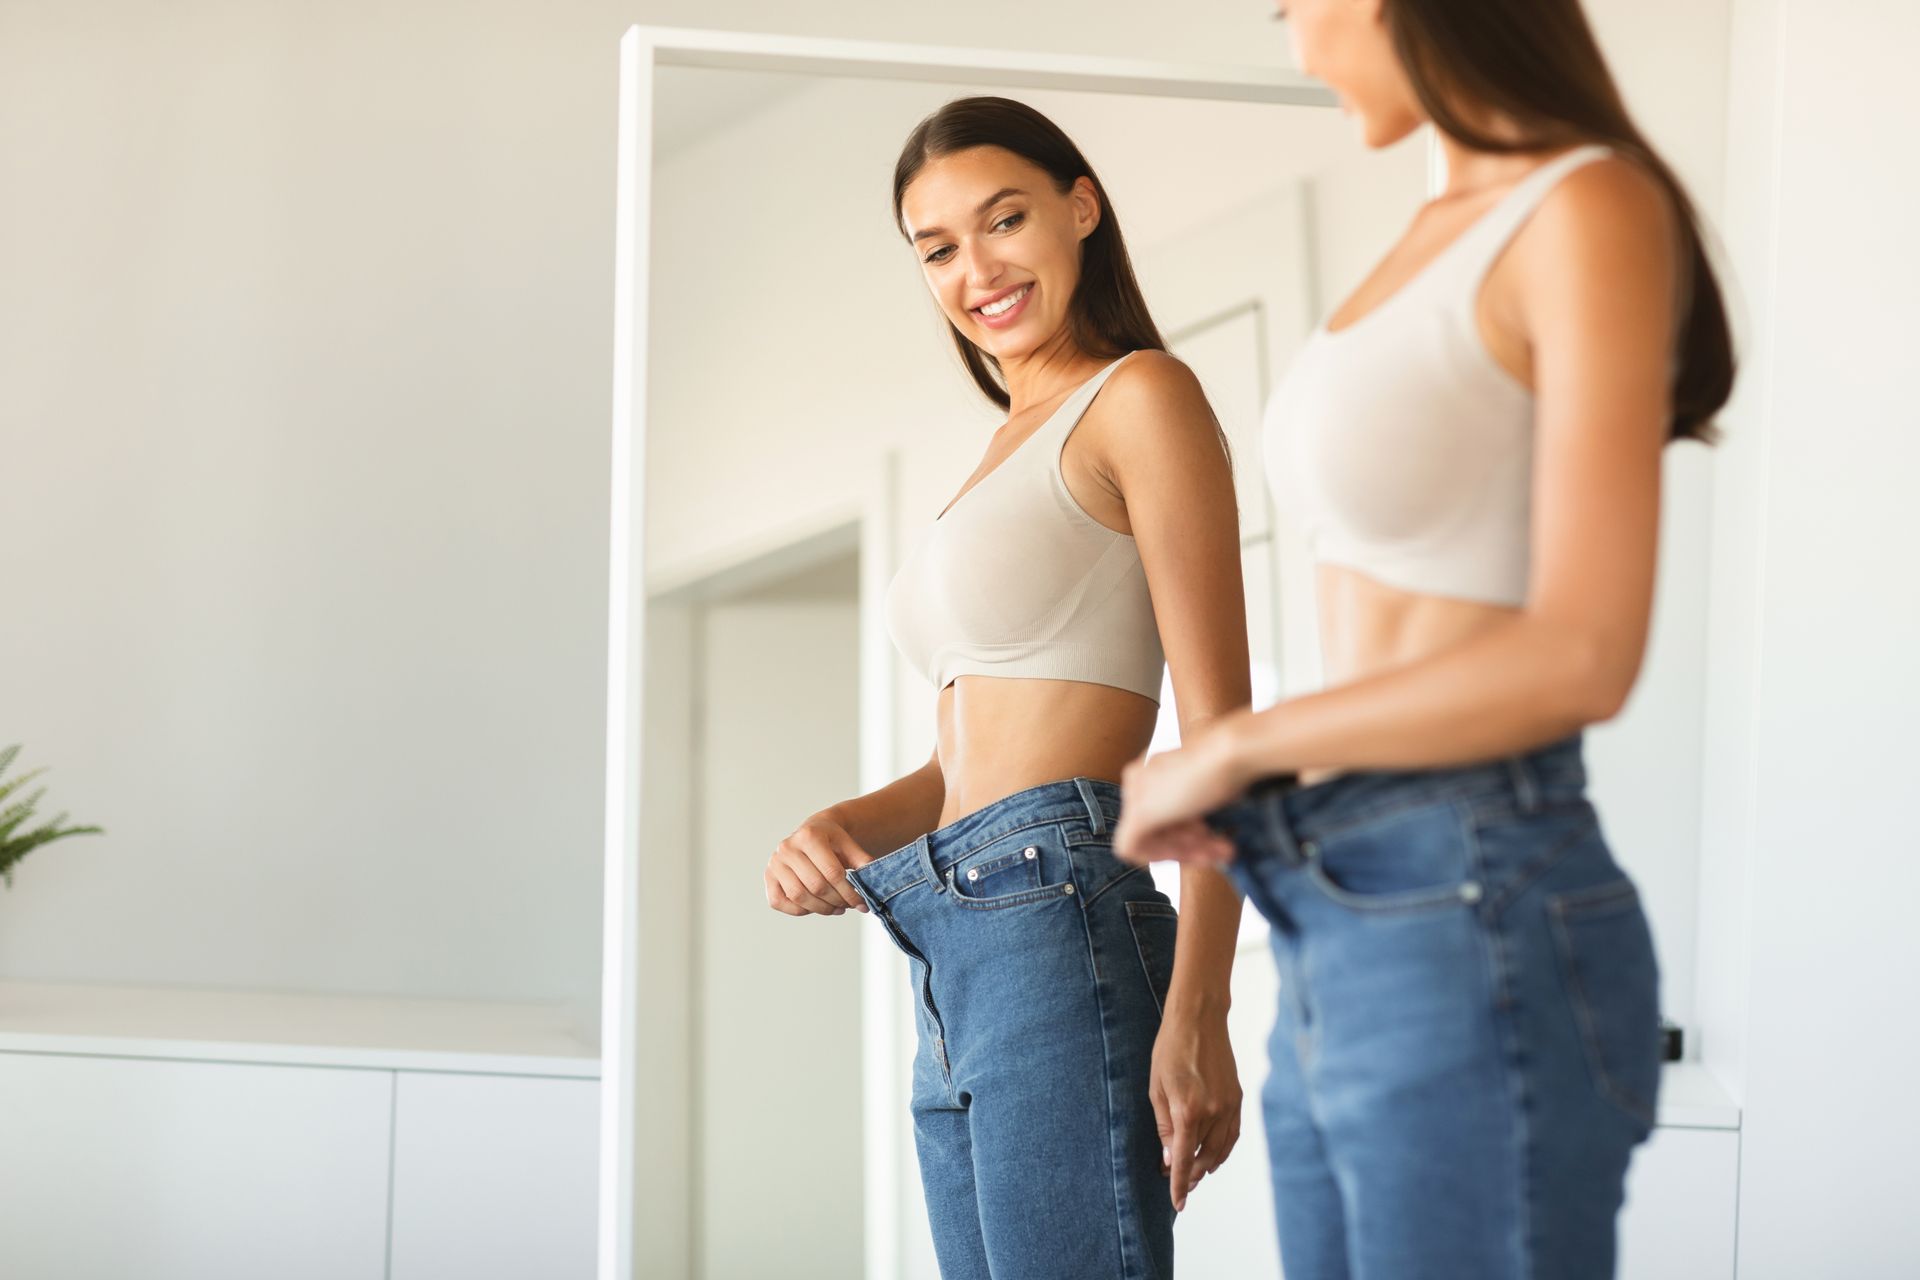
(1005, 304)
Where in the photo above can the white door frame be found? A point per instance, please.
(642, 49)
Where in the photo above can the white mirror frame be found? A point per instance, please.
(642, 49)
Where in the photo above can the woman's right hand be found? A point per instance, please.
(807, 874)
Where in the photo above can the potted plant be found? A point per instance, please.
(16, 839)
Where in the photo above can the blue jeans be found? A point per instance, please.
(1468, 1047)
(1040, 963)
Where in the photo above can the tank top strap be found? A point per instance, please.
(1074, 407)
(1484, 241)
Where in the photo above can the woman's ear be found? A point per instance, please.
(1086, 206)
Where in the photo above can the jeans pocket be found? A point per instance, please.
(1419, 858)
(1612, 981)
(1155, 927)
(1021, 867)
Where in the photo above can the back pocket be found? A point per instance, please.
(1612, 980)
(1155, 928)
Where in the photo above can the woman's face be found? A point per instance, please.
(999, 247)
(1344, 44)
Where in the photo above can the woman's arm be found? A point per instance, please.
(807, 874)
(1165, 457)
(884, 819)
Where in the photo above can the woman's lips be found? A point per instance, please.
(1024, 295)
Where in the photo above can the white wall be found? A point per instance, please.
(303, 402)
(1814, 861)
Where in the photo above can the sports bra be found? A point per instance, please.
(1398, 444)
(1015, 579)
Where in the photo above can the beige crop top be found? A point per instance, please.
(1399, 445)
(1016, 579)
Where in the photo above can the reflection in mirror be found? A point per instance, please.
(807, 417)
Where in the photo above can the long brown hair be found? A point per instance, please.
(1536, 63)
(1107, 313)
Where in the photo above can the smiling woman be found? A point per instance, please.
(1044, 613)
(1092, 296)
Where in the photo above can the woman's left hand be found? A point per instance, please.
(1163, 798)
(1195, 1091)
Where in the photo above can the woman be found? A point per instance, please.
(1073, 1079)
(1467, 1048)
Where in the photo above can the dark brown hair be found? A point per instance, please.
(1536, 63)
(1107, 313)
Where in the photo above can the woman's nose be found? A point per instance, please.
(983, 267)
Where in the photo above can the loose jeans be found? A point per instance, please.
(1040, 964)
(1467, 1048)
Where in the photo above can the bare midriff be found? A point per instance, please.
(1367, 628)
(1000, 735)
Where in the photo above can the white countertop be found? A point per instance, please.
(1692, 1098)
(293, 1029)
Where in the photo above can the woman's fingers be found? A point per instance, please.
(797, 891)
(1190, 841)
(777, 897)
(1217, 1145)
(825, 863)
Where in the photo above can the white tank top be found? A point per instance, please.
(1016, 579)
(1399, 445)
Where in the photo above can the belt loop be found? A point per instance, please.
(1526, 786)
(1095, 814)
(924, 845)
(1285, 840)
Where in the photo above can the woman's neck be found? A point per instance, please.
(1043, 373)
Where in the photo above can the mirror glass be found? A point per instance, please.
(807, 415)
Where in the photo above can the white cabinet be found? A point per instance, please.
(1679, 1219)
(111, 1168)
(494, 1178)
(169, 1134)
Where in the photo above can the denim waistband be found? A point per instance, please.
(1287, 813)
(1094, 801)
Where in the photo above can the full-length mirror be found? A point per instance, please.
(806, 419)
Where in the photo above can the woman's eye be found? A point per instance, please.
(935, 256)
(1012, 217)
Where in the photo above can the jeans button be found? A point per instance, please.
(1470, 891)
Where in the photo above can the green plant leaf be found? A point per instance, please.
(8, 788)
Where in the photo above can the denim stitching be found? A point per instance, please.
(1531, 871)
(1411, 900)
(1026, 896)
(1427, 791)
(999, 835)
(1122, 878)
(926, 992)
(902, 889)
(1162, 910)
(1506, 1026)
(1579, 900)
(1116, 1153)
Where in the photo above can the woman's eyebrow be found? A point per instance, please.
(978, 209)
